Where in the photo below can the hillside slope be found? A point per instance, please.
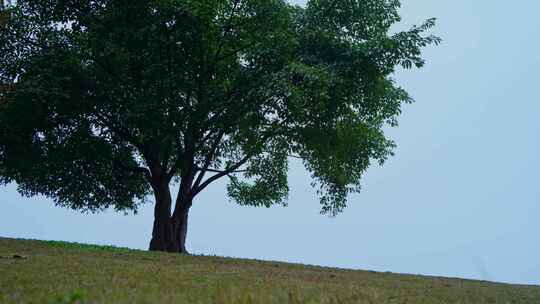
(57, 272)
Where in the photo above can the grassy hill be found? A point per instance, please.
(58, 272)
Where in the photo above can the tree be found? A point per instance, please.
(116, 100)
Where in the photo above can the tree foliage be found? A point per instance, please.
(114, 98)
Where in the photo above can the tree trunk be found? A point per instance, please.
(169, 232)
(180, 222)
(162, 232)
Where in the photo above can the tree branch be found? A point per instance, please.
(221, 171)
(209, 158)
(245, 47)
(331, 7)
(231, 169)
(294, 156)
(142, 170)
(227, 31)
(221, 174)
(178, 162)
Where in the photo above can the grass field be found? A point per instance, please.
(58, 272)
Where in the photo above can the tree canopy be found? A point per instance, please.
(112, 101)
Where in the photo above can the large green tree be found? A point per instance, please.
(113, 101)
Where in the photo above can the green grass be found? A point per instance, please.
(58, 272)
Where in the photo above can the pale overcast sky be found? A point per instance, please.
(460, 198)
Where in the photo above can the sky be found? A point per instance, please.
(459, 199)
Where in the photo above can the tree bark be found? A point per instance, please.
(169, 232)
(180, 222)
(162, 233)
(179, 226)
